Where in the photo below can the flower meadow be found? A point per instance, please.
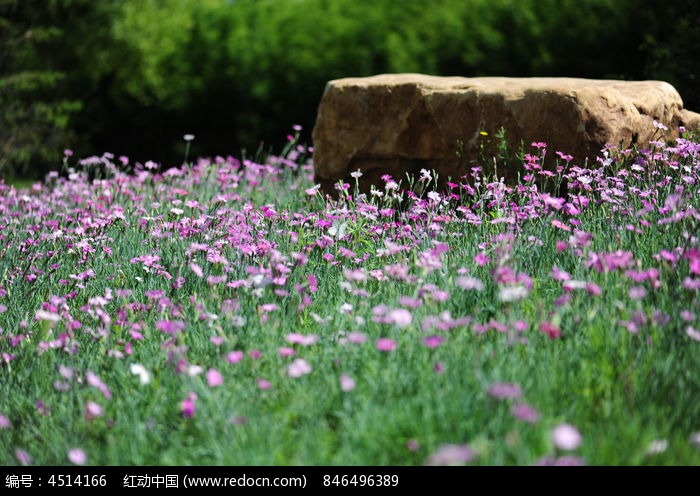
(225, 312)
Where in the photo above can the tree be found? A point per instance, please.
(45, 47)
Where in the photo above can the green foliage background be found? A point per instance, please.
(132, 76)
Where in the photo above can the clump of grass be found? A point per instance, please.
(225, 313)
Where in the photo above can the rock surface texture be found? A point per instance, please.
(398, 124)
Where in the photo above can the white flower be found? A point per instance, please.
(298, 368)
(140, 370)
(512, 293)
(657, 446)
(48, 316)
(188, 137)
(566, 437)
(193, 370)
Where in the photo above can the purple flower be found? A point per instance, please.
(23, 457)
(5, 422)
(560, 275)
(410, 302)
(562, 461)
(526, 413)
(637, 292)
(433, 341)
(170, 326)
(188, 406)
(693, 256)
(95, 382)
(93, 410)
(481, 259)
(504, 390)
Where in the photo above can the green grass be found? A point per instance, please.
(621, 387)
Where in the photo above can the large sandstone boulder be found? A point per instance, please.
(401, 123)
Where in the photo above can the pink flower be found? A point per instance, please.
(196, 269)
(637, 292)
(410, 302)
(5, 422)
(170, 326)
(693, 256)
(550, 330)
(312, 191)
(562, 461)
(593, 289)
(433, 341)
(285, 352)
(692, 333)
(481, 259)
(301, 339)
(347, 383)
(609, 261)
(264, 384)
(357, 337)
(234, 356)
(188, 406)
(93, 410)
(216, 340)
(385, 344)
(23, 457)
(95, 382)
(566, 437)
(400, 317)
(451, 454)
(560, 225)
(504, 390)
(667, 256)
(214, 378)
(77, 456)
(298, 368)
(313, 283)
(526, 413)
(560, 275)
